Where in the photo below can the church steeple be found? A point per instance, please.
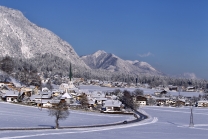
(70, 72)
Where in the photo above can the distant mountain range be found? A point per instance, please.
(111, 62)
(23, 39)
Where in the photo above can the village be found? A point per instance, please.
(107, 100)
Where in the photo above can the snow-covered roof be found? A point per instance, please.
(183, 100)
(101, 98)
(52, 101)
(202, 101)
(43, 95)
(10, 93)
(112, 103)
(67, 95)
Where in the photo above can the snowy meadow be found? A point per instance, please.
(163, 123)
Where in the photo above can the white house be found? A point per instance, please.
(97, 96)
(141, 100)
(112, 106)
(10, 95)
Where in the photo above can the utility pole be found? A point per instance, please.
(191, 124)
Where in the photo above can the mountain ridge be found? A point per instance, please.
(21, 38)
(113, 63)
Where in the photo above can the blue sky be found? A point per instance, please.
(171, 35)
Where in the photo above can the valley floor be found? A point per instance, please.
(164, 123)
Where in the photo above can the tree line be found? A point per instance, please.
(26, 70)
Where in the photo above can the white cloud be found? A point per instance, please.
(145, 55)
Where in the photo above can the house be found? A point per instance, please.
(188, 103)
(171, 102)
(10, 95)
(47, 103)
(141, 100)
(114, 97)
(42, 96)
(190, 89)
(201, 90)
(202, 103)
(99, 101)
(172, 88)
(68, 98)
(97, 96)
(27, 91)
(160, 101)
(112, 106)
(180, 102)
(56, 93)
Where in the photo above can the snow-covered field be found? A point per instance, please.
(13, 116)
(164, 123)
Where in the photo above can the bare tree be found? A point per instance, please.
(151, 101)
(84, 101)
(116, 92)
(60, 112)
(138, 92)
(127, 100)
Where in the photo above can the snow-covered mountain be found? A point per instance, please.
(23, 39)
(111, 62)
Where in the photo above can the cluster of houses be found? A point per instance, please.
(138, 85)
(116, 84)
(106, 102)
(174, 101)
(67, 92)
